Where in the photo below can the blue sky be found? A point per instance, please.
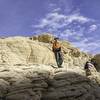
(77, 21)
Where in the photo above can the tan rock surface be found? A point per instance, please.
(42, 82)
(96, 60)
(26, 72)
(19, 50)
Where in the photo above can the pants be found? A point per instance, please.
(88, 72)
(59, 58)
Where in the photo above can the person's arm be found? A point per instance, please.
(60, 49)
(52, 45)
(52, 42)
(53, 49)
(86, 66)
(91, 65)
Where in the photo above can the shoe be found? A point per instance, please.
(59, 66)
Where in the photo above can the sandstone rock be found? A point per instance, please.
(36, 82)
(22, 51)
(46, 37)
(34, 38)
(26, 71)
(96, 61)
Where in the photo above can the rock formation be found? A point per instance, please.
(96, 60)
(26, 71)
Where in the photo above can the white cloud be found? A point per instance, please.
(57, 10)
(52, 20)
(67, 33)
(92, 28)
(55, 20)
(52, 5)
(61, 24)
(77, 17)
(87, 46)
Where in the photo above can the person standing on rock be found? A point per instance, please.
(56, 47)
(90, 68)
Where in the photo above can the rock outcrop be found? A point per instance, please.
(42, 82)
(27, 73)
(19, 50)
(46, 37)
(96, 60)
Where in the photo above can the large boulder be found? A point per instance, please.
(46, 37)
(42, 82)
(73, 56)
(96, 60)
(20, 50)
(27, 73)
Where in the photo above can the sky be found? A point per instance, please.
(77, 21)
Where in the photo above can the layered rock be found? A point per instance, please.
(96, 60)
(72, 55)
(46, 37)
(19, 50)
(26, 71)
(41, 82)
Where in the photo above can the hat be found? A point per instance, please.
(88, 61)
(56, 38)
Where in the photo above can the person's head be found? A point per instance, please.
(88, 62)
(56, 39)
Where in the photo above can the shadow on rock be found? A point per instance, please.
(71, 86)
(35, 85)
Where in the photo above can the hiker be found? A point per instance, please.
(57, 51)
(89, 67)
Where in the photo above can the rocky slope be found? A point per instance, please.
(96, 60)
(26, 71)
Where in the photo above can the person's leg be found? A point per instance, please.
(57, 58)
(60, 59)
